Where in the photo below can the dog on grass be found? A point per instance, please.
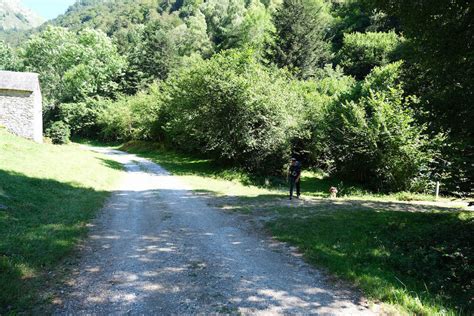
(333, 192)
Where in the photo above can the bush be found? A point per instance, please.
(310, 143)
(132, 117)
(59, 133)
(361, 52)
(374, 138)
(83, 117)
(233, 109)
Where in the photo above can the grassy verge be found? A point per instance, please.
(227, 181)
(47, 196)
(420, 261)
(203, 174)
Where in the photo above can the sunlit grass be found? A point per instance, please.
(47, 196)
(205, 175)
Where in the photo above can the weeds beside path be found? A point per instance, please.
(416, 256)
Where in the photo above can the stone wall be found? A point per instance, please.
(20, 113)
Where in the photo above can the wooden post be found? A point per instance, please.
(437, 189)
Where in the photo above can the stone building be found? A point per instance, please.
(21, 104)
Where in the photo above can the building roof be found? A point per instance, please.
(22, 81)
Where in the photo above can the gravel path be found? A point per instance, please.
(156, 248)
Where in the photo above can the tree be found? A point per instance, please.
(352, 16)
(440, 68)
(233, 109)
(223, 18)
(311, 143)
(159, 49)
(256, 30)
(301, 28)
(73, 66)
(373, 136)
(196, 39)
(8, 59)
(361, 52)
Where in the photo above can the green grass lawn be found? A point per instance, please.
(47, 196)
(420, 262)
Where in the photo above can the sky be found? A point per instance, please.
(48, 9)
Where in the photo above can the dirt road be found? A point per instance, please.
(156, 248)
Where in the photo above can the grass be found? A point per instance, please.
(47, 196)
(202, 174)
(420, 262)
(231, 181)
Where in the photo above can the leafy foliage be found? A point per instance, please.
(301, 43)
(82, 118)
(73, 66)
(221, 93)
(158, 48)
(375, 93)
(8, 59)
(361, 52)
(374, 138)
(440, 68)
(59, 133)
(131, 117)
(233, 109)
(354, 16)
(310, 143)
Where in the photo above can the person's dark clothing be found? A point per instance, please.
(294, 183)
(295, 171)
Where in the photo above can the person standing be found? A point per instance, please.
(294, 174)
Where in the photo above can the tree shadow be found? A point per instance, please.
(426, 246)
(426, 255)
(41, 222)
(112, 164)
(164, 251)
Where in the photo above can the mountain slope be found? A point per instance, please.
(109, 16)
(13, 15)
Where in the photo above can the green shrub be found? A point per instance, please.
(361, 52)
(132, 117)
(234, 110)
(59, 133)
(116, 122)
(83, 117)
(374, 138)
(310, 143)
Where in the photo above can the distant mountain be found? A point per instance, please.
(14, 16)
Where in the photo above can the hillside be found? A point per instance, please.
(13, 15)
(108, 16)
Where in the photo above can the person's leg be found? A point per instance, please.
(292, 183)
(298, 188)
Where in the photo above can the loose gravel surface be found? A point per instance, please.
(157, 248)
